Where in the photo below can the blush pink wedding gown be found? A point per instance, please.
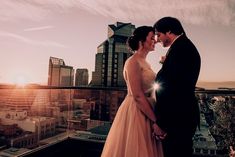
(131, 133)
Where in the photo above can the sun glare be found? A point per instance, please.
(20, 81)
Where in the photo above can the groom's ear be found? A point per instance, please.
(169, 32)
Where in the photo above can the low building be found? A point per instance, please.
(203, 142)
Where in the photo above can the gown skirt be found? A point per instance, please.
(131, 134)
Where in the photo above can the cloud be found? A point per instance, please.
(17, 10)
(35, 10)
(38, 28)
(30, 41)
(200, 12)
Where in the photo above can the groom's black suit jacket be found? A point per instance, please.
(177, 108)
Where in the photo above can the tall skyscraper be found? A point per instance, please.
(111, 56)
(81, 78)
(60, 74)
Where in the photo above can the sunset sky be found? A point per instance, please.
(33, 30)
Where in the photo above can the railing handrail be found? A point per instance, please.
(208, 91)
(60, 87)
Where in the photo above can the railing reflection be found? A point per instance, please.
(36, 116)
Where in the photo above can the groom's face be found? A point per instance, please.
(163, 38)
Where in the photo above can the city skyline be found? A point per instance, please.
(32, 31)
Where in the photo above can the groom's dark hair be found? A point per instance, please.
(167, 24)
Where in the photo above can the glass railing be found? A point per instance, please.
(35, 118)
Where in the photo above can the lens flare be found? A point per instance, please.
(156, 86)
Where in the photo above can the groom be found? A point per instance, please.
(177, 109)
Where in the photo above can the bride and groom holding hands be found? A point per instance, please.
(157, 122)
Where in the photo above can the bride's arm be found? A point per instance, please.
(133, 73)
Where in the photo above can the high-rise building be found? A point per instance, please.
(81, 78)
(60, 74)
(111, 56)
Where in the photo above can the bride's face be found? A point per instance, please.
(150, 42)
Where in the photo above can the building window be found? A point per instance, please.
(212, 152)
(205, 151)
(197, 150)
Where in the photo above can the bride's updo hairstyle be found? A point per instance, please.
(139, 34)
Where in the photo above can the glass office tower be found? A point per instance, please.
(111, 56)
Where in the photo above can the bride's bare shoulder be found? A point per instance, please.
(133, 60)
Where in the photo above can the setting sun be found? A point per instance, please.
(20, 80)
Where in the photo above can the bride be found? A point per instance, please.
(131, 134)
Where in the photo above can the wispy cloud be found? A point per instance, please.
(202, 12)
(34, 9)
(38, 28)
(12, 10)
(190, 11)
(30, 41)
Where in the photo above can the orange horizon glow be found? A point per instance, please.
(20, 80)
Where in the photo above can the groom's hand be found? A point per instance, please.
(158, 133)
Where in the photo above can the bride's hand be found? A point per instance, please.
(158, 133)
